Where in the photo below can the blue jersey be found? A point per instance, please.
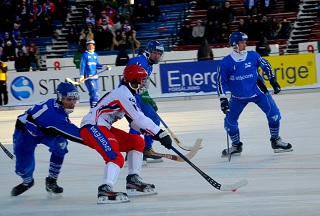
(239, 74)
(89, 64)
(51, 119)
(142, 61)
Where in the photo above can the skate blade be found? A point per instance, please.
(147, 191)
(235, 154)
(282, 150)
(119, 199)
(154, 160)
(52, 195)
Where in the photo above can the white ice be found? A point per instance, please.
(279, 184)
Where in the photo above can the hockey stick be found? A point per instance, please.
(229, 155)
(78, 82)
(189, 156)
(215, 184)
(10, 155)
(177, 141)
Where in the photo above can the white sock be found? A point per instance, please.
(111, 173)
(134, 162)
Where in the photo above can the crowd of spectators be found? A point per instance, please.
(27, 19)
(220, 16)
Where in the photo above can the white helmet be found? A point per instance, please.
(90, 42)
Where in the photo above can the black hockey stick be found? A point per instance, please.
(215, 184)
(10, 155)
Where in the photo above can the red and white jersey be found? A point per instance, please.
(113, 106)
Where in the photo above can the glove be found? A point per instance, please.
(146, 99)
(32, 129)
(224, 104)
(81, 79)
(275, 85)
(106, 67)
(164, 138)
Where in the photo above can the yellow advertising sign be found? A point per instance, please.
(293, 70)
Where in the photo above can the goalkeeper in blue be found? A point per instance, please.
(238, 73)
(46, 123)
(153, 55)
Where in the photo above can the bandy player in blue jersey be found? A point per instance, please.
(238, 73)
(46, 123)
(88, 68)
(153, 55)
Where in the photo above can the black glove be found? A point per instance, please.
(164, 138)
(275, 85)
(224, 104)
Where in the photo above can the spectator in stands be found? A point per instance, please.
(91, 27)
(254, 29)
(46, 27)
(34, 55)
(8, 53)
(6, 25)
(73, 33)
(139, 12)
(213, 14)
(285, 30)
(185, 34)
(250, 7)
(24, 11)
(124, 11)
(85, 35)
(125, 23)
(131, 41)
(107, 27)
(118, 41)
(104, 16)
(116, 24)
(91, 18)
(265, 27)
(61, 11)
(36, 11)
(263, 47)
(224, 33)
(110, 12)
(31, 28)
(210, 32)
(198, 32)
(204, 51)
(242, 26)
(112, 3)
(153, 12)
(88, 9)
(18, 21)
(227, 13)
(1, 50)
(22, 62)
(102, 38)
(266, 6)
(48, 8)
(16, 31)
(20, 47)
(275, 28)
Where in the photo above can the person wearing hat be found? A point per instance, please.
(153, 12)
(3, 84)
(88, 71)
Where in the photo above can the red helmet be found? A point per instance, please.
(134, 74)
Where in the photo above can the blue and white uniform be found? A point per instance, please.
(239, 74)
(46, 123)
(148, 111)
(88, 68)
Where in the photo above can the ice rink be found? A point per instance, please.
(279, 184)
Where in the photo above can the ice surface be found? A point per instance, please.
(279, 184)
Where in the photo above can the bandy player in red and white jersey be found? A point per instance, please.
(98, 133)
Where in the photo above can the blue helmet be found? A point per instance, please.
(236, 37)
(66, 89)
(154, 46)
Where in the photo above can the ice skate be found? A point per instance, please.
(234, 150)
(279, 146)
(144, 161)
(54, 191)
(106, 195)
(147, 154)
(135, 186)
(21, 188)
